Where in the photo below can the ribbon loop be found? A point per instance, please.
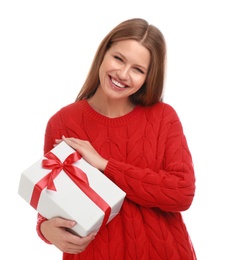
(56, 166)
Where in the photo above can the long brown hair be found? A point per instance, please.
(151, 38)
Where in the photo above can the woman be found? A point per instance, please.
(120, 125)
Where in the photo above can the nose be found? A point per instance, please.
(123, 72)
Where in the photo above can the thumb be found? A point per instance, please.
(66, 223)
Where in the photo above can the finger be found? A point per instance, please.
(57, 141)
(70, 141)
(60, 222)
(82, 242)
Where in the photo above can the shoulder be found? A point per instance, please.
(162, 110)
(67, 113)
(75, 106)
(69, 109)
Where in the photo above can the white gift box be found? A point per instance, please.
(68, 200)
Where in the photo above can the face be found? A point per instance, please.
(124, 69)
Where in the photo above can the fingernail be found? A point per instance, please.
(73, 223)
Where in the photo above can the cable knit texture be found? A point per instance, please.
(150, 160)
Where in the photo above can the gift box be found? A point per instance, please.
(63, 184)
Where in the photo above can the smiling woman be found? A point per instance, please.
(120, 125)
(149, 37)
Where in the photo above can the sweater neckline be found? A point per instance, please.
(121, 120)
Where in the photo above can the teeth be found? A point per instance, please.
(118, 84)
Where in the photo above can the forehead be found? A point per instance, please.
(132, 51)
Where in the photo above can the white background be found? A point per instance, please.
(46, 48)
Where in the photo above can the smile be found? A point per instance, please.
(117, 84)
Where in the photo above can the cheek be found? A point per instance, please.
(103, 67)
(101, 71)
(139, 81)
(103, 75)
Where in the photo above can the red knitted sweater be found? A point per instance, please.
(150, 160)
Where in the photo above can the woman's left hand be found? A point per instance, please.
(87, 151)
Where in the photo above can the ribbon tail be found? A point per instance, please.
(50, 184)
(38, 188)
(98, 200)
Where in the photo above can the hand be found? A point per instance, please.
(87, 151)
(54, 230)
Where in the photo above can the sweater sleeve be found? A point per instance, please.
(40, 220)
(172, 186)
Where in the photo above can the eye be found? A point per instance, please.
(139, 70)
(117, 58)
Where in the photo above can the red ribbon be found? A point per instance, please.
(76, 175)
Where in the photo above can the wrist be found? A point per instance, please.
(102, 164)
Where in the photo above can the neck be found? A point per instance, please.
(110, 107)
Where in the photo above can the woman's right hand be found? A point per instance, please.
(55, 231)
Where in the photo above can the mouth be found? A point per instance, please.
(118, 84)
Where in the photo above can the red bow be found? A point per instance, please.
(53, 163)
